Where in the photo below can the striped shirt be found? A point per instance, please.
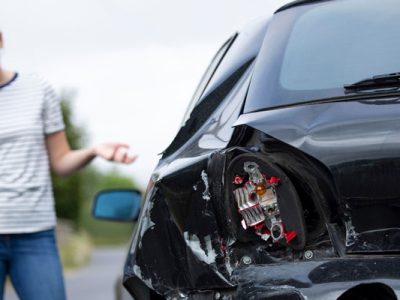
(29, 109)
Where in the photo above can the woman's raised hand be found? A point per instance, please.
(117, 152)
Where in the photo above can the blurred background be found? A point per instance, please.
(125, 70)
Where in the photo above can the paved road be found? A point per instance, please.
(95, 281)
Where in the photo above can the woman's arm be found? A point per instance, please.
(65, 161)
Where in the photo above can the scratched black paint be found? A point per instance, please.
(341, 157)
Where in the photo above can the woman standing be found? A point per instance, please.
(32, 139)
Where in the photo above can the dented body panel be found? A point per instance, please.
(358, 141)
(324, 173)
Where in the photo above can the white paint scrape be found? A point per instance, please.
(351, 234)
(208, 254)
(138, 273)
(228, 266)
(206, 193)
(147, 223)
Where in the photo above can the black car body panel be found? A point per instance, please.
(327, 172)
(358, 141)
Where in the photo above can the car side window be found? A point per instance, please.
(207, 77)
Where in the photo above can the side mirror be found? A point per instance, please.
(117, 205)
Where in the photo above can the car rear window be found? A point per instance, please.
(325, 51)
(311, 51)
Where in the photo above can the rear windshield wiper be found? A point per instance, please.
(384, 81)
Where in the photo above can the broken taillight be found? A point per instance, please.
(257, 201)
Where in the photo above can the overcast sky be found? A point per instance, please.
(134, 64)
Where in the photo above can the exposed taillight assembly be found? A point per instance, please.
(258, 203)
(266, 201)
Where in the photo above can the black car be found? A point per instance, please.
(284, 180)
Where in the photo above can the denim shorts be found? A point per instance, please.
(33, 264)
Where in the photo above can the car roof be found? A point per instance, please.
(297, 3)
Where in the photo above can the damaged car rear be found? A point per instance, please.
(283, 181)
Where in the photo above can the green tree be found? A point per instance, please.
(105, 232)
(68, 191)
(74, 194)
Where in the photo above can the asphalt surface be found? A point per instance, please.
(96, 281)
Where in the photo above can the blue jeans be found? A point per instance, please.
(32, 262)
